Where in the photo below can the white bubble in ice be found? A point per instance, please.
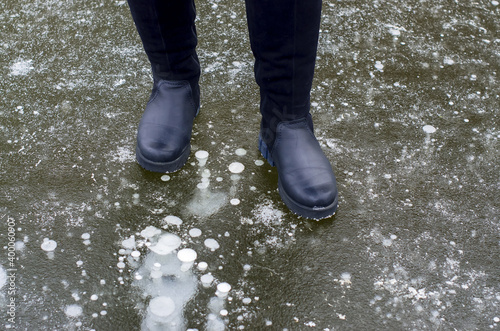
(120, 265)
(94, 297)
(21, 68)
(150, 232)
(187, 255)
(165, 178)
(48, 245)
(207, 279)
(202, 266)
(86, 236)
(379, 66)
(73, 310)
(259, 163)
(345, 276)
(203, 185)
(224, 312)
(166, 244)
(235, 202)
(129, 243)
(202, 157)
(429, 129)
(240, 152)
(135, 254)
(162, 306)
(201, 154)
(246, 301)
(173, 220)
(223, 287)
(211, 244)
(195, 232)
(236, 167)
(395, 32)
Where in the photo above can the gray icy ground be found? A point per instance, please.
(415, 242)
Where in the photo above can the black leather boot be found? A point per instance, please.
(306, 181)
(168, 34)
(284, 38)
(164, 133)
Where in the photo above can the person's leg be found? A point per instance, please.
(284, 38)
(168, 34)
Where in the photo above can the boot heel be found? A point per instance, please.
(265, 151)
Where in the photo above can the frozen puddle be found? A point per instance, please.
(168, 277)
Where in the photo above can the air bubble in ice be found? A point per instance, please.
(236, 167)
(207, 279)
(129, 243)
(162, 306)
(166, 244)
(211, 244)
(379, 66)
(202, 157)
(165, 178)
(48, 245)
(173, 220)
(150, 232)
(186, 255)
(73, 310)
(429, 129)
(240, 152)
(235, 202)
(195, 232)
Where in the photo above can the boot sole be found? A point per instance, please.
(316, 213)
(163, 167)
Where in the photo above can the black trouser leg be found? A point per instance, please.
(168, 34)
(284, 39)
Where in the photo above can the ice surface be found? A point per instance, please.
(48, 245)
(166, 244)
